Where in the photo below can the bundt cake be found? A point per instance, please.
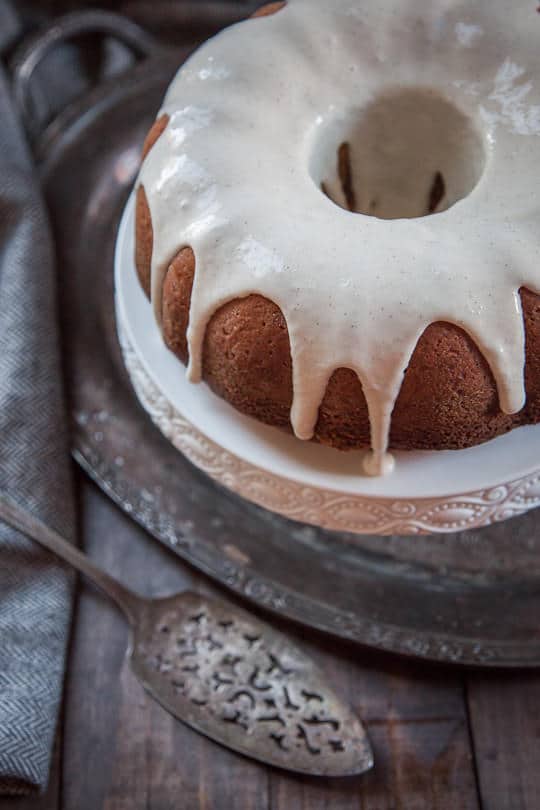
(337, 221)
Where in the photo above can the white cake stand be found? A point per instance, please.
(428, 492)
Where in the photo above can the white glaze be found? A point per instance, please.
(233, 177)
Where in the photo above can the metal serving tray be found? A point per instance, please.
(471, 597)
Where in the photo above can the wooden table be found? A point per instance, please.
(442, 737)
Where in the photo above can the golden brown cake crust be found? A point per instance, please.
(144, 239)
(157, 129)
(143, 224)
(269, 9)
(448, 398)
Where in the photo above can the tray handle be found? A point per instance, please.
(33, 51)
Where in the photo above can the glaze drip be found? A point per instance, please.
(236, 175)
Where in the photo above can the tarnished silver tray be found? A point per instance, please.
(471, 597)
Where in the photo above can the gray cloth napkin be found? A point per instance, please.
(35, 591)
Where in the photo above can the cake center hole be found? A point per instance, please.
(409, 153)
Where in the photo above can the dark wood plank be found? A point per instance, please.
(93, 678)
(505, 723)
(416, 718)
(159, 762)
(123, 751)
(50, 800)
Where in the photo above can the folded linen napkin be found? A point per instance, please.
(35, 591)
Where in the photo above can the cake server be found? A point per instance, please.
(224, 673)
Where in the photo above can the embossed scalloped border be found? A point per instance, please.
(326, 508)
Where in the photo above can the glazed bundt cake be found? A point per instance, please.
(337, 221)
